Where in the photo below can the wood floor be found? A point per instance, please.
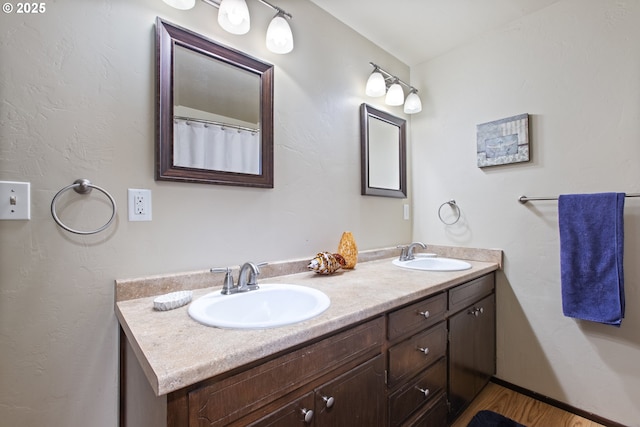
(523, 409)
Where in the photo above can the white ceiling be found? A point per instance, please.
(415, 31)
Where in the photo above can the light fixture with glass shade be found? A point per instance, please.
(381, 81)
(376, 86)
(279, 36)
(233, 16)
(181, 4)
(412, 104)
(395, 95)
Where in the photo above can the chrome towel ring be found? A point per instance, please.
(454, 206)
(82, 186)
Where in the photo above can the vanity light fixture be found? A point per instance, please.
(395, 95)
(381, 81)
(233, 16)
(376, 86)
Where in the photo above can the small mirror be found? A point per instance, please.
(383, 147)
(215, 112)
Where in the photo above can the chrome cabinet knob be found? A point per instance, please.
(328, 400)
(423, 391)
(424, 350)
(476, 311)
(308, 415)
(425, 313)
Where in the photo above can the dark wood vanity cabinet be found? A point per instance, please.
(418, 365)
(441, 354)
(472, 341)
(336, 381)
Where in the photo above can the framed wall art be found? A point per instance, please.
(503, 141)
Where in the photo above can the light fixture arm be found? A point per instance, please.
(388, 77)
(277, 9)
(216, 3)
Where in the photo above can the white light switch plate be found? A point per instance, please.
(15, 200)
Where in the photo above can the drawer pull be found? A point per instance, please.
(424, 391)
(308, 415)
(329, 401)
(425, 313)
(424, 350)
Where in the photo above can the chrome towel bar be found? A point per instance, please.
(525, 199)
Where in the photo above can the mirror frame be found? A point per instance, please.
(167, 36)
(367, 111)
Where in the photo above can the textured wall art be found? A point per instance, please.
(503, 141)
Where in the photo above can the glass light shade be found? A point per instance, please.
(279, 36)
(413, 104)
(375, 85)
(181, 4)
(233, 16)
(395, 95)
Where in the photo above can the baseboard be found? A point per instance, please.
(561, 405)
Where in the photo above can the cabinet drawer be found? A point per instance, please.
(416, 353)
(217, 403)
(410, 398)
(292, 414)
(417, 316)
(465, 295)
(436, 416)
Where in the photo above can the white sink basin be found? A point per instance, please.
(268, 307)
(431, 263)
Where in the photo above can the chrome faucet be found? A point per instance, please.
(407, 251)
(243, 285)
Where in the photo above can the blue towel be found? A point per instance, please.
(591, 255)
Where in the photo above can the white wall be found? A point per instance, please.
(77, 101)
(575, 68)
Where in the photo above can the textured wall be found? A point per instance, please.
(574, 67)
(77, 101)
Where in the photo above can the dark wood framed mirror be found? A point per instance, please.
(383, 142)
(214, 116)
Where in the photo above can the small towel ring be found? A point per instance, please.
(453, 205)
(82, 186)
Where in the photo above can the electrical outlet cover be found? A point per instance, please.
(139, 204)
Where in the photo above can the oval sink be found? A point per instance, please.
(270, 306)
(433, 264)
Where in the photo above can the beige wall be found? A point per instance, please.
(77, 101)
(575, 68)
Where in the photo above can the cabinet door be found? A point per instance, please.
(355, 398)
(472, 352)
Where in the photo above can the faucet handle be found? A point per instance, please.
(403, 253)
(227, 286)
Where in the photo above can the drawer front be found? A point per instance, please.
(464, 295)
(417, 392)
(416, 353)
(417, 316)
(436, 416)
(217, 403)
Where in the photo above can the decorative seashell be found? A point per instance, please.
(326, 263)
(348, 249)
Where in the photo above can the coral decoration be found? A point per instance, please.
(348, 249)
(326, 263)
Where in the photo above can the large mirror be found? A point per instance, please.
(214, 112)
(383, 142)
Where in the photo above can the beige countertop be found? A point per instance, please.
(175, 351)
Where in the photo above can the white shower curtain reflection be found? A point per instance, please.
(213, 147)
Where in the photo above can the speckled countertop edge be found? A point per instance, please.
(174, 351)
